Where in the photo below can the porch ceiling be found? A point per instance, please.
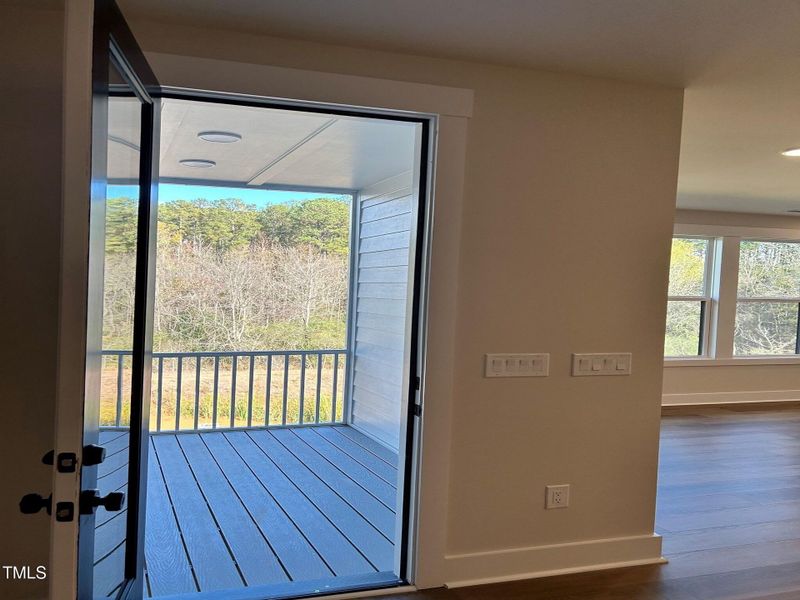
(278, 148)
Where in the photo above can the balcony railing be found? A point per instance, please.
(225, 390)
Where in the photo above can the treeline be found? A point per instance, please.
(231, 276)
(223, 225)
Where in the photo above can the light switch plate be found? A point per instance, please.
(594, 364)
(517, 365)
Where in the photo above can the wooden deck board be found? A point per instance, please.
(233, 509)
(213, 566)
(378, 487)
(358, 497)
(359, 453)
(167, 564)
(252, 554)
(369, 541)
(367, 443)
(108, 573)
(294, 551)
(339, 554)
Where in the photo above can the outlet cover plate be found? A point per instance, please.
(557, 496)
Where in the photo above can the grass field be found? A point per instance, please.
(205, 401)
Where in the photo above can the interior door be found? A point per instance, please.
(111, 461)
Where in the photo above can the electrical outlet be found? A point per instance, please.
(557, 496)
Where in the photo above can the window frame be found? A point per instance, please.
(768, 300)
(707, 300)
(725, 265)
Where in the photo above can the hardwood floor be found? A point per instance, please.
(728, 509)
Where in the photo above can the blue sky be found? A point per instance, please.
(168, 192)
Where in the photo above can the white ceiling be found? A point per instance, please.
(279, 148)
(738, 59)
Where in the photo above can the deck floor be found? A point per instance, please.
(226, 510)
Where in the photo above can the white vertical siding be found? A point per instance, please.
(382, 289)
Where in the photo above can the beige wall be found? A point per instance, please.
(567, 218)
(30, 121)
(566, 222)
(731, 383)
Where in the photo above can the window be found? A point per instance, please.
(689, 300)
(768, 299)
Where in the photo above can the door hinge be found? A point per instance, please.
(417, 383)
(417, 410)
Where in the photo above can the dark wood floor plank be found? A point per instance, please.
(213, 566)
(340, 555)
(252, 554)
(294, 551)
(723, 537)
(688, 521)
(166, 561)
(377, 465)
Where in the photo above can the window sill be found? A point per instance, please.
(744, 361)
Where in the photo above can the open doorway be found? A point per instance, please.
(285, 316)
(728, 493)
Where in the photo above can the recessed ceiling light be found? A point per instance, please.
(791, 152)
(198, 163)
(219, 137)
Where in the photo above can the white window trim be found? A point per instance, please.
(709, 283)
(725, 283)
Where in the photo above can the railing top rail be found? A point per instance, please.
(240, 389)
(221, 354)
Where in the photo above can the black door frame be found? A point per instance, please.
(113, 43)
(113, 40)
(416, 375)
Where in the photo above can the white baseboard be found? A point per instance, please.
(730, 397)
(558, 559)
